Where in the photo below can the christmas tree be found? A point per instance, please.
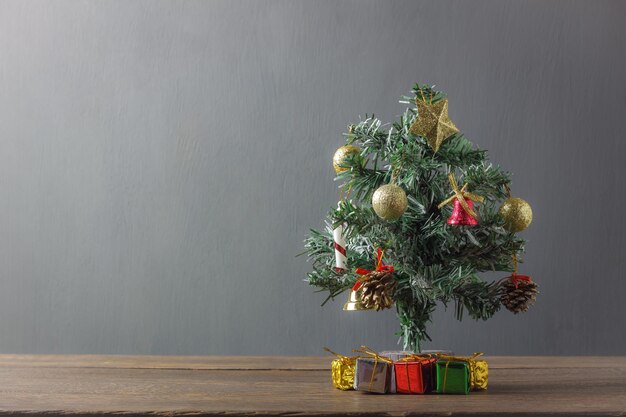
(421, 214)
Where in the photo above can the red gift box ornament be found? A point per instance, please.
(415, 374)
(463, 213)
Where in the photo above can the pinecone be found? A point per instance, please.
(518, 300)
(377, 290)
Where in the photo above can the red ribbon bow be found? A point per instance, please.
(380, 267)
(515, 279)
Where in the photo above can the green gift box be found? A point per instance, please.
(453, 377)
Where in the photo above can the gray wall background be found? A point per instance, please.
(162, 161)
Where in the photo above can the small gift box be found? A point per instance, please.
(476, 370)
(452, 377)
(342, 371)
(479, 374)
(373, 373)
(415, 374)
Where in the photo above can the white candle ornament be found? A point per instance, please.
(340, 249)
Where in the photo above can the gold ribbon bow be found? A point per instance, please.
(416, 357)
(445, 357)
(478, 371)
(461, 195)
(347, 360)
(373, 354)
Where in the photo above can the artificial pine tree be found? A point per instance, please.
(422, 156)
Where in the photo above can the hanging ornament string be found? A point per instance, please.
(461, 195)
(380, 267)
(515, 278)
(342, 189)
(394, 175)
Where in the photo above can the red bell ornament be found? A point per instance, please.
(460, 217)
(463, 213)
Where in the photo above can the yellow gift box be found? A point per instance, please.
(479, 374)
(342, 371)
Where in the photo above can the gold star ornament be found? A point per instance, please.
(433, 122)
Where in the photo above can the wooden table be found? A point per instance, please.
(57, 385)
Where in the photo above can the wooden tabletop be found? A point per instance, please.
(58, 385)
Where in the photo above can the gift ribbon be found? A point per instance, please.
(344, 359)
(415, 357)
(379, 268)
(445, 377)
(469, 359)
(408, 377)
(461, 195)
(372, 353)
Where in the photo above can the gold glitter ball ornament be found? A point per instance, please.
(341, 156)
(517, 214)
(433, 122)
(389, 202)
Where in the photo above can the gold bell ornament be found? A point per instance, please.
(354, 302)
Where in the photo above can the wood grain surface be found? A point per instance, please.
(55, 385)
